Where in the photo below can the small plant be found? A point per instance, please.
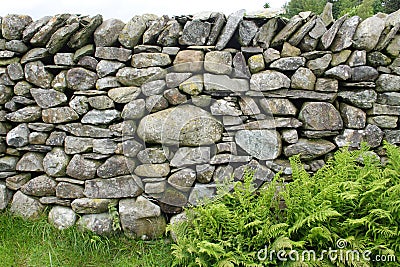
(112, 210)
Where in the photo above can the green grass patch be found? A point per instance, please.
(37, 243)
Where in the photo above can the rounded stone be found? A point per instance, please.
(261, 144)
(62, 217)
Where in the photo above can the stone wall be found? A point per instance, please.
(149, 116)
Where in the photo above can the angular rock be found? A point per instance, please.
(218, 62)
(310, 115)
(101, 102)
(278, 106)
(368, 32)
(144, 60)
(326, 14)
(64, 59)
(81, 79)
(5, 94)
(18, 136)
(44, 34)
(288, 63)
(62, 217)
(68, 190)
(123, 95)
(60, 38)
(12, 26)
(155, 28)
(379, 109)
(394, 47)
(359, 98)
(266, 33)
(218, 22)
(118, 187)
(136, 77)
(107, 67)
(75, 145)
(116, 165)
(183, 179)
(8, 163)
(100, 224)
(289, 50)
(292, 26)
(240, 68)
(353, 117)
(35, 73)
(388, 82)
(269, 80)
(91, 206)
(152, 170)
(303, 78)
(309, 149)
(59, 115)
(81, 168)
(107, 33)
(261, 144)
(328, 37)
(5, 196)
(156, 103)
(101, 116)
(224, 83)
(35, 54)
(25, 206)
(33, 28)
(256, 63)
(388, 122)
(204, 173)
(55, 162)
(131, 34)
(84, 35)
(195, 32)
(230, 27)
(341, 72)
(56, 139)
(188, 61)
(15, 71)
(88, 62)
(113, 53)
(30, 162)
(376, 59)
(364, 73)
(17, 181)
(247, 31)
(47, 98)
(40, 186)
(296, 38)
(174, 97)
(319, 65)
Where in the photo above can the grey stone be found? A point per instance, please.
(156, 103)
(35, 73)
(155, 28)
(59, 115)
(25, 206)
(310, 115)
(86, 50)
(79, 104)
(60, 38)
(59, 82)
(174, 79)
(125, 128)
(68, 190)
(6, 94)
(388, 82)
(181, 121)
(40, 186)
(153, 87)
(289, 50)
(368, 32)
(394, 46)
(389, 98)
(192, 86)
(30, 162)
(123, 95)
(392, 136)
(319, 65)
(35, 54)
(174, 97)
(183, 179)
(131, 148)
(152, 170)
(326, 14)
(85, 34)
(261, 144)
(15, 71)
(56, 139)
(47, 98)
(55, 162)
(249, 106)
(240, 68)
(345, 34)
(144, 60)
(152, 156)
(195, 33)
(101, 102)
(201, 193)
(227, 158)
(107, 33)
(116, 165)
(64, 59)
(373, 135)
(266, 33)
(269, 80)
(364, 73)
(379, 109)
(217, 22)
(186, 156)
(352, 117)
(247, 31)
(88, 62)
(296, 38)
(154, 187)
(21, 88)
(223, 174)
(136, 77)
(169, 36)
(188, 61)
(100, 224)
(388, 122)
(218, 62)
(5, 196)
(38, 138)
(359, 98)
(140, 218)
(290, 136)
(132, 32)
(101, 116)
(309, 149)
(340, 57)
(288, 63)
(107, 67)
(107, 83)
(134, 109)
(81, 168)
(230, 27)
(376, 59)
(17, 181)
(62, 217)
(13, 25)
(204, 173)
(113, 53)
(256, 63)
(91, 206)
(278, 106)
(75, 145)
(44, 34)
(222, 107)
(341, 72)
(18, 136)
(357, 58)
(81, 79)
(303, 78)
(34, 27)
(328, 37)
(292, 26)
(8, 163)
(215, 83)
(118, 187)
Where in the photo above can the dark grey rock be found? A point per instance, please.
(81, 79)
(118, 187)
(217, 22)
(68, 190)
(195, 33)
(113, 53)
(12, 26)
(35, 73)
(81, 168)
(18, 136)
(310, 116)
(47, 98)
(56, 139)
(364, 73)
(55, 162)
(35, 54)
(341, 72)
(44, 34)
(288, 63)
(174, 97)
(345, 34)
(357, 58)
(183, 179)
(389, 98)
(107, 33)
(85, 35)
(116, 165)
(388, 82)
(59, 115)
(40, 186)
(131, 148)
(328, 37)
(266, 33)
(309, 149)
(17, 181)
(319, 65)
(352, 117)
(201, 193)
(359, 98)
(204, 173)
(326, 14)
(79, 104)
(303, 78)
(231, 25)
(384, 121)
(88, 62)
(15, 71)
(247, 31)
(155, 28)
(376, 59)
(60, 38)
(240, 68)
(296, 38)
(33, 28)
(91, 206)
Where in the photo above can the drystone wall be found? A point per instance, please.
(148, 116)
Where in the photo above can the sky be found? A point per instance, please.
(126, 9)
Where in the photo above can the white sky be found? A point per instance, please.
(126, 9)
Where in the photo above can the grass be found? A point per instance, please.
(37, 243)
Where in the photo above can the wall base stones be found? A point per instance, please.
(149, 116)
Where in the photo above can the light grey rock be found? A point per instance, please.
(144, 60)
(60, 38)
(303, 78)
(319, 65)
(44, 34)
(359, 98)
(107, 33)
(261, 144)
(218, 62)
(386, 122)
(181, 121)
(30, 162)
(326, 14)
(174, 79)
(379, 109)
(328, 37)
(6, 94)
(249, 106)
(131, 148)
(153, 170)
(100, 224)
(352, 117)
(195, 32)
(204, 173)
(35, 54)
(186, 156)
(288, 63)
(123, 95)
(25, 206)
(155, 27)
(8, 163)
(240, 68)
(40, 186)
(153, 88)
(201, 193)
(290, 136)
(193, 86)
(388, 82)
(101, 102)
(118, 187)
(136, 77)
(309, 149)
(224, 83)
(296, 38)
(15, 71)
(183, 179)
(266, 33)
(17, 181)
(81, 79)
(131, 34)
(341, 72)
(292, 26)
(227, 158)
(231, 25)
(113, 53)
(368, 32)
(107, 83)
(68, 190)
(38, 138)
(47, 98)
(5, 196)
(218, 21)
(372, 134)
(394, 46)
(310, 115)
(75, 145)
(152, 156)
(289, 50)
(34, 27)
(256, 63)
(36, 74)
(59, 115)
(101, 116)
(247, 31)
(156, 103)
(116, 165)
(56, 139)
(59, 82)
(222, 107)
(83, 130)
(64, 59)
(357, 58)
(278, 106)
(107, 67)
(223, 175)
(55, 162)
(16, 46)
(62, 217)
(85, 34)
(81, 168)
(269, 80)
(188, 61)
(389, 98)
(91, 206)
(88, 62)
(12, 26)
(18, 136)
(134, 109)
